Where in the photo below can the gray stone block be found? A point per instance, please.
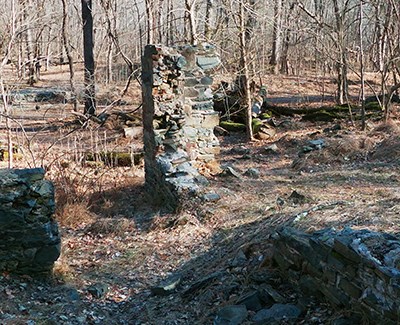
(231, 315)
(334, 295)
(206, 81)
(350, 288)
(342, 246)
(47, 255)
(208, 63)
(278, 312)
(203, 106)
(29, 241)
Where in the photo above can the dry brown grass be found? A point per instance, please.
(74, 215)
(111, 226)
(388, 150)
(62, 271)
(391, 127)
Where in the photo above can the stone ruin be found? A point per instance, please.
(349, 268)
(29, 239)
(178, 120)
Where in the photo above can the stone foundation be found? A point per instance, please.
(29, 237)
(178, 120)
(357, 269)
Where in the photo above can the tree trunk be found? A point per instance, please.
(171, 23)
(109, 11)
(140, 27)
(191, 15)
(341, 65)
(283, 63)
(342, 84)
(149, 15)
(87, 19)
(360, 31)
(245, 83)
(7, 52)
(69, 56)
(27, 5)
(276, 37)
(208, 20)
(113, 36)
(160, 23)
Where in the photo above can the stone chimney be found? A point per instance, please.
(178, 120)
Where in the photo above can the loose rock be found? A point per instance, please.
(231, 315)
(273, 148)
(277, 312)
(253, 173)
(167, 286)
(98, 290)
(251, 300)
(211, 197)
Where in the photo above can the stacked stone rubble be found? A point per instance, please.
(29, 237)
(357, 269)
(178, 119)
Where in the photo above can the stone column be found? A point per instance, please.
(178, 120)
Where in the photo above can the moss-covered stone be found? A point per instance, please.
(373, 106)
(232, 126)
(321, 116)
(266, 115)
(256, 125)
(345, 107)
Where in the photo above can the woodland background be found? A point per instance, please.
(326, 38)
(309, 54)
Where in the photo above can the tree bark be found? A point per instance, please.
(341, 65)
(68, 52)
(208, 20)
(3, 62)
(276, 37)
(244, 68)
(191, 15)
(87, 19)
(360, 31)
(150, 18)
(27, 5)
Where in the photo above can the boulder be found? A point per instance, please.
(278, 312)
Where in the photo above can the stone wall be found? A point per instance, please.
(29, 237)
(178, 119)
(358, 269)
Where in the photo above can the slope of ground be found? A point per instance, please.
(116, 247)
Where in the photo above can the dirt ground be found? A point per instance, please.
(113, 240)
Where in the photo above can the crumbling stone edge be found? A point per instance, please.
(348, 268)
(30, 242)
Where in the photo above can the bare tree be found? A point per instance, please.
(276, 37)
(362, 74)
(244, 68)
(4, 60)
(27, 20)
(67, 48)
(190, 6)
(150, 19)
(87, 20)
(208, 21)
(337, 30)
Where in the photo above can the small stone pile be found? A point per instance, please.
(178, 119)
(356, 268)
(29, 237)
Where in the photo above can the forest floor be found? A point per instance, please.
(116, 247)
